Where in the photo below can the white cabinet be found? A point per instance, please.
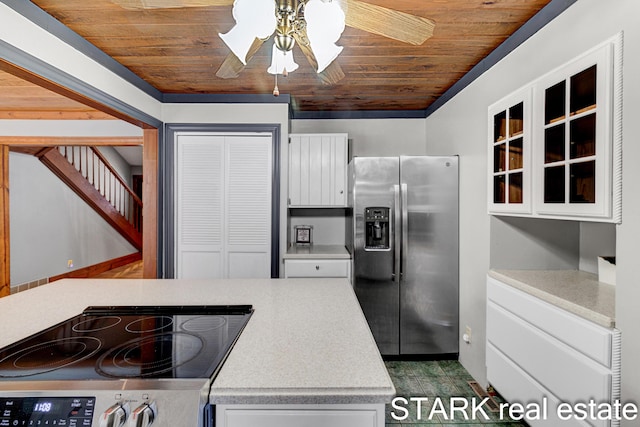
(318, 170)
(566, 162)
(357, 415)
(223, 205)
(317, 261)
(575, 142)
(537, 351)
(316, 268)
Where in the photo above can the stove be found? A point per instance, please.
(120, 366)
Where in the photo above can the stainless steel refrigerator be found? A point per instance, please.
(402, 232)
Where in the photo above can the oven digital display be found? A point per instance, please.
(42, 407)
(54, 411)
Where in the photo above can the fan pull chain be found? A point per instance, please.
(276, 91)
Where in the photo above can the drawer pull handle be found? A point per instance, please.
(317, 267)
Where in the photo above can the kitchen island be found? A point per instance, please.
(306, 354)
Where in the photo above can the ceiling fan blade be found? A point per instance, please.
(330, 75)
(232, 67)
(167, 4)
(390, 23)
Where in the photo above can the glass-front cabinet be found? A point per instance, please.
(555, 146)
(574, 130)
(510, 152)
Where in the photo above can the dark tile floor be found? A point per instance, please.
(438, 382)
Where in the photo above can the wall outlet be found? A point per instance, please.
(70, 263)
(467, 335)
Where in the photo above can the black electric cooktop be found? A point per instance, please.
(146, 342)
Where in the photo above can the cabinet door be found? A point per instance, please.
(574, 124)
(317, 170)
(510, 154)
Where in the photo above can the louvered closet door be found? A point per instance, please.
(223, 206)
(248, 207)
(199, 203)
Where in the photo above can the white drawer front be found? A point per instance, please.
(317, 268)
(590, 339)
(297, 418)
(517, 387)
(568, 374)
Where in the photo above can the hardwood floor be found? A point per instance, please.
(129, 271)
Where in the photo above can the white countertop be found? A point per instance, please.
(575, 291)
(317, 252)
(307, 341)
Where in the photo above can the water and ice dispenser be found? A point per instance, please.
(376, 220)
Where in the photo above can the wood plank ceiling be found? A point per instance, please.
(179, 51)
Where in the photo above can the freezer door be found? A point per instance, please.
(376, 275)
(429, 287)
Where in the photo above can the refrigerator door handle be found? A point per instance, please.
(405, 230)
(396, 233)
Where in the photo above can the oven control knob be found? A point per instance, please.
(143, 415)
(115, 416)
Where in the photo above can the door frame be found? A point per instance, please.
(34, 70)
(167, 174)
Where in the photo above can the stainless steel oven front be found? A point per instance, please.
(120, 366)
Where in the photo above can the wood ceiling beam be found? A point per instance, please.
(53, 115)
(61, 90)
(53, 141)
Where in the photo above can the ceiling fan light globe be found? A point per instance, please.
(281, 61)
(254, 19)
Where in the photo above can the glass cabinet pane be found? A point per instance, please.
(515, 187)
(516, 120)
(499, 155)
(582, 135)
(509, 150)
(583, 91)
(555, 103)
(554, 143)
(500, 126)
(582, 182)
(499, 189)
(515, 154)
(554, 184)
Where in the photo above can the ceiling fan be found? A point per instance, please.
(314, 25)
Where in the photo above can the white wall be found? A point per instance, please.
(461, 126)
(372, 137)
(50, 224)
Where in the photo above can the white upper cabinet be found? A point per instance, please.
(318, 170)
(570, 145)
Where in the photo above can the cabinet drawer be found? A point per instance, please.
(317, 268)
(565, 372)
(585, 336)
(516, 386)
(295, 418)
